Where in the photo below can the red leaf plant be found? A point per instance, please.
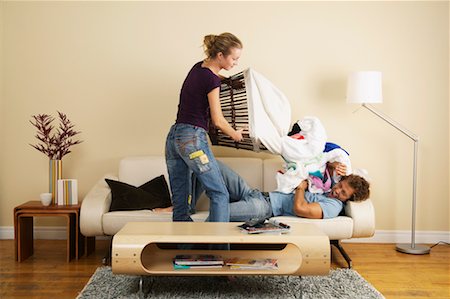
(54, 142)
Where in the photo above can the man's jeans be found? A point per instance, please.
(245, 203)
(187, 153)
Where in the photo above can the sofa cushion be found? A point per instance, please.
(138, 170)
(153, 194)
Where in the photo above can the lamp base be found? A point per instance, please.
(417, 249)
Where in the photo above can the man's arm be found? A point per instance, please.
(301, 207)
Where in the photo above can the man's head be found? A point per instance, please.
(351, 187)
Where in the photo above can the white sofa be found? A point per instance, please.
(96, 220)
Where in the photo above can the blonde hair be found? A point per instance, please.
(214, 44)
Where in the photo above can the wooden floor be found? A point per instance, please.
(47, 275)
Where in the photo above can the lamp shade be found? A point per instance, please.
(364, 87)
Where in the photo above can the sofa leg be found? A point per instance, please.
(341, 249)
(106, 260)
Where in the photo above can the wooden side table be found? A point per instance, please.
(77, 244)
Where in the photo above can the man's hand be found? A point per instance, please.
(303, 185)
(301, 207)
(339, 168)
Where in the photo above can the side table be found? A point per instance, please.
(77, 244)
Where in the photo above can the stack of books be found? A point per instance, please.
(67, 192)
(197, 261)
(252, 264)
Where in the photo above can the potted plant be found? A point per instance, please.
(55, 143)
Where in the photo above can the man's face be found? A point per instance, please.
(342, 191)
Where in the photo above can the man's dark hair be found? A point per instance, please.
(360, 185)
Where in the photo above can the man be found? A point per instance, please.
(247, 203)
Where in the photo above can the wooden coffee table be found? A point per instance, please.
(141, 248)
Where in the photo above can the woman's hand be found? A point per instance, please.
(238, 136)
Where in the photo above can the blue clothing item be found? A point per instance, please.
(245, 202)
(188, 153)
(194, 105)
(331, 146)
(282, 204)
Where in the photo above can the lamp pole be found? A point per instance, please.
(412, 248)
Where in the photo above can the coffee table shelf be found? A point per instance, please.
(139, 248)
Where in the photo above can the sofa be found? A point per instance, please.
(96, 219)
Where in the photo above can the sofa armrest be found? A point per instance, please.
(94, 205)
(363, 215)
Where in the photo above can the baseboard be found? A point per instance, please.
(381, 236)
(40, 232)
(390, 236)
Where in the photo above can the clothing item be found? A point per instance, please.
(282, 204)
(269, 111)
(319, 181)
(188, 153)
(329, 146)
(194, 105)
(295, 129)
(313, 143)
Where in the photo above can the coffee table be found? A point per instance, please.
(140, 248)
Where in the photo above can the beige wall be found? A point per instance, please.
(116, 68)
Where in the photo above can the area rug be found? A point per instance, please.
(340, 283)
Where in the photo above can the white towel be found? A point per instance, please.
(269, 111)
(299, 150)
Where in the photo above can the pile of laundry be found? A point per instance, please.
(304, 148)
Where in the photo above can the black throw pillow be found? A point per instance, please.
(153, 194)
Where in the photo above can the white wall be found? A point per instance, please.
(116, 69)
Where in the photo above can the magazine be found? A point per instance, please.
(180, 267)
(252, 264)
(257, 227)
(198, 260)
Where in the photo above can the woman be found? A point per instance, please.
(187, 149)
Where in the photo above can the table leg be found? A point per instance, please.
(72, 249)
(16, 235)
(24, 238)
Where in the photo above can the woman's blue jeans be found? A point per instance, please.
(187, 154)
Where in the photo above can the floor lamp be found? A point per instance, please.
(365, 88)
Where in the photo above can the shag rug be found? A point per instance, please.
(340, 283)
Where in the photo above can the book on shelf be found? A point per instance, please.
(252, 264)
(198, 260)
(212, 266)
(258, 226)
